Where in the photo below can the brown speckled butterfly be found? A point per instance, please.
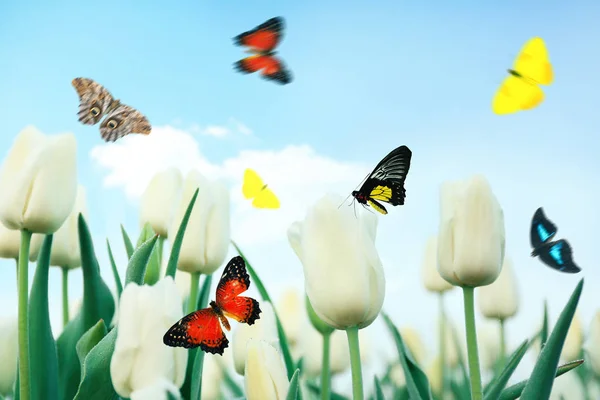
(95, 103)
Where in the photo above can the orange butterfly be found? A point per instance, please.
(202, 328)
(262, 40)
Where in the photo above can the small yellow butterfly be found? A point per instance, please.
(255, 188)
(521, 91)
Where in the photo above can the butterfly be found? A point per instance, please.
(521, 90)
(95, 103)
(202, 327)
(386, 182)
(254, 187)
(261, 41)
(555, 254)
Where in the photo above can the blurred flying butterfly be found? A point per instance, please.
(202, 327)
(95, 103)
(386, 182)
(254, 188)
(261, 41)
(556, 254)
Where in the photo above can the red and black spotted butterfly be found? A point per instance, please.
(202, 327)
(261, 41)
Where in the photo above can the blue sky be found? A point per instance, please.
(367, 79)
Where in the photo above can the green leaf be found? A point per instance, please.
(176, 245)
(138, 262)
(542, 378)
(153, 268)
(98, 303)
(514, 391)
(96, 383)
(293, 390)
(90, 339)
(498, 383)
(378, 391)
(43, 361)
(417, 383)
(283, 342)
(544, 331)
(316, 390)
(115, 271)
(128, 245)
(193, 374)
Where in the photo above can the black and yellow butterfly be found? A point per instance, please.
(386, 182)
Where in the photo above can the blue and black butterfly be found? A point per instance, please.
(555, 254)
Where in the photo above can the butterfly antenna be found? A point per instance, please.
(359, 185)
(344, 200)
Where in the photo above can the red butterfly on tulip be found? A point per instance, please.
(202, 327)
(261, 41)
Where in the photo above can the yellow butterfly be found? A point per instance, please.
(254, 187)
(521, 91)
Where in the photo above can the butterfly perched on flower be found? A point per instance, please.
(386, 182)
(521, 90)
(203, 327)
(556, 254)
(254, 188)
(261, 41)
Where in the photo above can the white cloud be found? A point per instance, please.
(216, 131)
(241, 128)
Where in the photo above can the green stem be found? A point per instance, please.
(159, 250)
(193, 299)
(442, 344)
(325, 374)
(65, 295)
(357, 385)
(23, 282)
(502, 355)
(474, 372)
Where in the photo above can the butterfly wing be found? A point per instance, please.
(94, 100)
(123, 120)
(272, 67)
(252, 184)
(516, 94)
(235, 280)
(542, 229)
(386, 182)
(200, 328)
(264, 38)
(559, 256)
(533, 62)
(266, 199)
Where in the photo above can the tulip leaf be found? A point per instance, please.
(128, 245)
(378, 391)
(283, 342)
(43, 364)
(115, 271)
(513, 392)
(176, 245)
(153, 268)
(541, 380)
(138, 262)
(193, 374)
(231, 384)
(90, 339)
(96, 383)
(494, 388)
(293, 390)
(316, 389)
(544, 331)
(417, 383)
(98, 303)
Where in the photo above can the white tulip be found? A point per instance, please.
(434, 374)
(140, 357)
(10, 243)
(38, 181)
(432, 279)
(290, 309)
(266, 377)
(206, 238)
(264, 329)
(311, 349)
(592, 344)
(65, 242)
(471, 238)
(343, 275)
(574, 341)
(8, 351)
(158, 390)
(500, 300)
(212, 377)
(159, 200)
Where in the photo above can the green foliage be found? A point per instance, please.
(127, 241)
(176, 245)
(153, 269)
(115, 271)
(294, 388)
